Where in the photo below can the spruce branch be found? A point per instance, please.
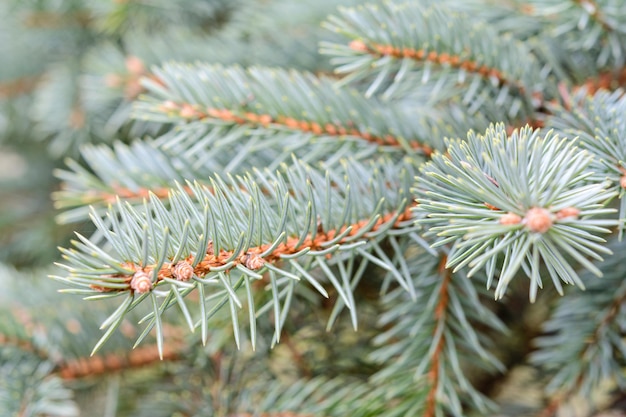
(55, 20)
(440, 316)
(590, 26)
(202, 384)
(274, 100)
(119, 17)
(502, 16)
(132, 171)
(58, 112)
(17, 87)
(583, 343)
(606, 80)
(321, 396)
(228, 236)
(592, 9)
(28, 390)
(46, 326)
(599, 124)
(235, 182)
(427, 342)
(526, 197)
(21, 343)
(117, 361)
(122, 80)
(273, 414)
(248, 38)
(431, 42)
(238, 385)
(55, 336)
(108, 85)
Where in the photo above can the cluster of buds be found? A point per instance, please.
(185, 110)
(130, 82)
(538, 219)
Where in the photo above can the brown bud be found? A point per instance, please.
(316, 128)
(168, 106)
(135, 65)
(252, 117)
(215, 113)
(538, 220)
(358, 45)
(97, 365)
(77, 118)
(141, 282)
(510, 219)
(252, 261)
(567, 212)
(182, 271)
(291, 123)
(227, 115)
(304, 125)
(133, 89)
(187, 111)
(331, 129)
(73, 326)
(265, 119)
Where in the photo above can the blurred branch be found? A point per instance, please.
(440, 316)
(52, 20)
(112, 362)
(18, 86)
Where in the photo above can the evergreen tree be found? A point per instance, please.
(312, 208)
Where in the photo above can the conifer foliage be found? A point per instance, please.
(312, 208)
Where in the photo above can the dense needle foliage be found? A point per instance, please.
(313, 208)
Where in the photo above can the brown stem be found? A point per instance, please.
(128, 194)
(25, 320)
(193, 112)
(595, 14)
(112, 362)
(52, 20)
(440, 317)
(552, 407)
(272, 414)
(18, 86)
(609, 80)
(453, 61)
(22, 344)
(290, 246)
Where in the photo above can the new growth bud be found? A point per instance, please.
(141, 282)
(182, 271)
(538, 220)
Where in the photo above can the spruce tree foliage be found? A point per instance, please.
(316, 208)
